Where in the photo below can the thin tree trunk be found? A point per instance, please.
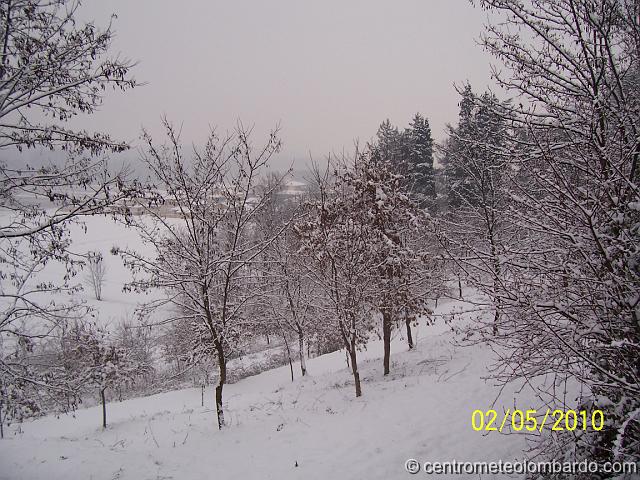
(497, 273)
(222, 378)
(1, 421)
(104, 408)
(459, 287)
(303, 365)
(386, 338)
(354, 368)
(409, 335)
(286, 344)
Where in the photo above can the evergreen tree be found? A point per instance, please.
(410, 155)
(420, 160)
(389, 143)
(458, 182)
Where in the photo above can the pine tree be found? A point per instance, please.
(389, 143)
(410, 155)
(420, 160)
(458, 181)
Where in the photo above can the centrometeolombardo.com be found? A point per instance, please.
(518, 467)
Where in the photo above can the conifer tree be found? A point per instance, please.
(420, 160)
(410, 155)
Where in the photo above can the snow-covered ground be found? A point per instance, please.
(311, 428)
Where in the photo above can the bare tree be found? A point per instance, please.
(96, 273)
(95, 361)
(381, 202)
(570, 289)
(476, 157)
(52, 64)
(340, 252)
(52, 67)
(291, 295)
(203, 257)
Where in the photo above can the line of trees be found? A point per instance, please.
(242, 260)
(234, 249)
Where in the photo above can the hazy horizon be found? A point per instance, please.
(327, 73)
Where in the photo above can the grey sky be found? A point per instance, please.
(327, 71)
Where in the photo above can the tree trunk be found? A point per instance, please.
(497, 273)
(303, 365)
(459, 287)
(1, 421)
(354, 369)
(104, 408)
(386, 338)
(409, 336)
(286, 344)
(222, 378)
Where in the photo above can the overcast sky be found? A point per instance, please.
(327, 71)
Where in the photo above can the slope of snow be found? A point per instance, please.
(313, 428)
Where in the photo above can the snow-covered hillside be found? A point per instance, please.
(311, 428)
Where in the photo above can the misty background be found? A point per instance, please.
(328, 73)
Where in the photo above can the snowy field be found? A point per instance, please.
(98, 234)
(421, 411)
(311, 428)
